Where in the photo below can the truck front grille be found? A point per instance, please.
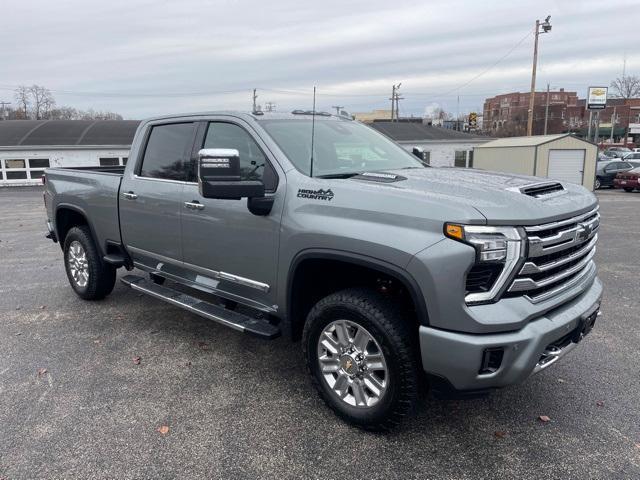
(559, 255)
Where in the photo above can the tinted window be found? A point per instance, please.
(252, 160)
(108, 162)
(164, 156)
(39, 162)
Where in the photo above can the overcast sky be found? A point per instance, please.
(147, 57)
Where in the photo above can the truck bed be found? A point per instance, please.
(90, 191)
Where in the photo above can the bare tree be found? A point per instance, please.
(627, 86)
(42, 100)
(23, 99)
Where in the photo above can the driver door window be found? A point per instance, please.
(253, 162)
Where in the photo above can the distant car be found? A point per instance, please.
(606, 171)
(628, 180)
(618, 152)
(631, 156)
(604, 157)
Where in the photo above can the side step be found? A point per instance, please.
(243, 323)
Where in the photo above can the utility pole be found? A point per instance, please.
(338, 109)
(546, 111)
(613, 124)
(590, 124)
(458, 114)
(393, 100)
(398, 98)
(546, 27)
(597, 132)
(3, 104)
(255, 97)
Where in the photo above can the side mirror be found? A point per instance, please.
(219, 176)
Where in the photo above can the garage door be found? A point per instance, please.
(566, 165)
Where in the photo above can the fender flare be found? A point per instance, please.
(75, 208)
(387, 268)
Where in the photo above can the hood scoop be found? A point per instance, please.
(538, 190)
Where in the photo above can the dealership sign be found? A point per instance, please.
(597, 98)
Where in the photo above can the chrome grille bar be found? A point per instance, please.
(561, 223)
(521, 284)
(531, 267)
(559, 256)
(575, 234)
(588, 270)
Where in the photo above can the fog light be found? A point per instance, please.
(491, 360)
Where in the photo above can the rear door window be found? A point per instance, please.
(165, 156)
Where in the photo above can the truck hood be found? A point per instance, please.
(495, 195)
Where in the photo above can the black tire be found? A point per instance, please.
(157, 279)
(628, 189)
(101, 275)
(598, 184)
(397, 338)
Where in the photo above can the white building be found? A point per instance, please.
(443, 147)
(27, 147)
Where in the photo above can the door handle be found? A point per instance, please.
(129, 195)
(195, 205)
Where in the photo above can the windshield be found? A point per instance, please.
(339, 148)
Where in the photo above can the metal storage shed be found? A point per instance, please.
(560, 157)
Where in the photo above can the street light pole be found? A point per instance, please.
(546, 27)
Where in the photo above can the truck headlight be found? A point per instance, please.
(498, 251)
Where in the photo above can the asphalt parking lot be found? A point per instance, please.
(207, 402)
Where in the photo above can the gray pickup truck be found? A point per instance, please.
(393, 275)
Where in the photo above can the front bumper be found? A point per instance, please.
(457, 357)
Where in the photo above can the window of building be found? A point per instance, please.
(463, 159)
(166, 150)
(252, 159)
(17, 175)
(39, 163)
(14, 164)
(124, 160)
(36, 174)
(109, 162)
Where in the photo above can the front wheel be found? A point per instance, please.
(362, 356)
(598, 183)
(90, 277)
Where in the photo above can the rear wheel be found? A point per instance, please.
(362, 357)
(598, 183)
(89, 276)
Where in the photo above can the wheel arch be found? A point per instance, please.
(297, 307)
(68, 216)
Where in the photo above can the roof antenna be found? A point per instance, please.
(313, 127)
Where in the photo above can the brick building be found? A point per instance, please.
(506, 115)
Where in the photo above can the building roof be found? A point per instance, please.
(532, 141)
(417, 132)
(32, 133)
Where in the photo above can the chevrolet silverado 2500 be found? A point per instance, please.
(389, 272)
